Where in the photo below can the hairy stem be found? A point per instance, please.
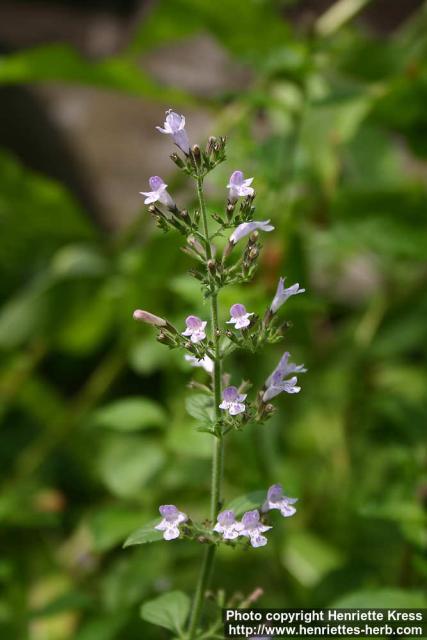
(218, 447)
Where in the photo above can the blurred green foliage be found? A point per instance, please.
(94, 430)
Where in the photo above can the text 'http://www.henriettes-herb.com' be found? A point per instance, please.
(224, 406)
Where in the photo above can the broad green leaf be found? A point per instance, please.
(144, 534)
(187, 288)
(148, 355)
(106, 627)
(128, 463)
(130, 414)
(200, 407)
(23, 316)
(61, 63)
(309, 558)
(71, 600)
(111, 524)
(247, 502)
(78, 260)
(169, 610)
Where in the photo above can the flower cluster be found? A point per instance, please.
(251, 526)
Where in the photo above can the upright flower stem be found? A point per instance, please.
(218, 447)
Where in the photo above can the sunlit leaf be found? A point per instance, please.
(144, 534)
(169, 610)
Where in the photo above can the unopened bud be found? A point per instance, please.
(230, 209)
(254, 236)
(212, 266)
(267, 317)
(210, 145)
(196, 245)
(149, 318)
(228, 249)
(177, 160)
(196, 153)
(253, 254)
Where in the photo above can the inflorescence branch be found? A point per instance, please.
(227, 406)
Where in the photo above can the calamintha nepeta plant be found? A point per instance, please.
(222, 406)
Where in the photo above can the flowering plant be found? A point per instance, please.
(225, 406)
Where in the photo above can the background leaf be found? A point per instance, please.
(169, 610)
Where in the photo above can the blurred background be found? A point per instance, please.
(325, 104)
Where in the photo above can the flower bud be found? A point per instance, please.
(212, 266)
(196, 245)
(196, 154)
(177, 160)
(149, 318)
(253, 254)
(184, 216)
(210, 145)
(254, 236)
(228, 249)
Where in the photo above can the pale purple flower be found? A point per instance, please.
(172, 518)
(195, 329)
(175, 126)
(283, 294)
(206, 363)
(253, 528)
(246, 228)
(277, 385)
(284, 368)
(227, 525)
(238, 186)
(158, 192)
(233, 401)
(276, 500)
(239, 316)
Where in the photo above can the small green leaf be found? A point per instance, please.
(200, 406)
(309, 558)
(145, 534)
(169, 610)
(247, 502)
(130, 414)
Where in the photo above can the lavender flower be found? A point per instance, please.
(239, 316)
(195, 329)
(175, 126)
(238, 186)
(253, 528)
(227, 525)
(206, 363)
(149, 318)
(172, 518)
(158, 192)
(284, 368)
(276, 500)
(277, 385)
(233, 401)
(283, 294)
(246, 228)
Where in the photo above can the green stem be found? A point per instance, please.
(218, 449)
